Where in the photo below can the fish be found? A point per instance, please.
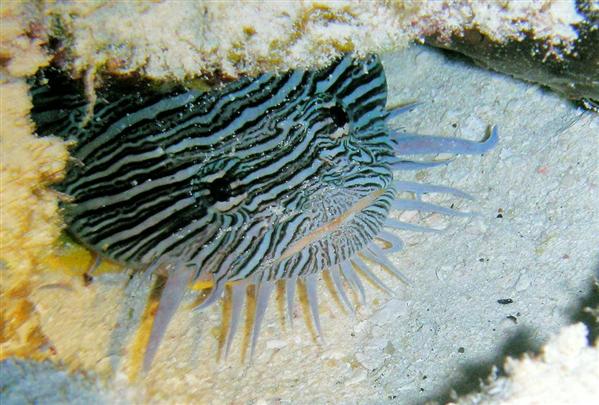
(272, 179)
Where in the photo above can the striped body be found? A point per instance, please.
(231, 179)
(280, 177)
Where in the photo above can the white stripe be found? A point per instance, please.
(248, 114)
(143, 226)
(102, 202)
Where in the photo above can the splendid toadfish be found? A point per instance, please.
(277, 178)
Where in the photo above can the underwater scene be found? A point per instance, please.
(333, 202)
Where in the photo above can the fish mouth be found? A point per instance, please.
(331, 226)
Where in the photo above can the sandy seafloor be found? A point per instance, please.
(445, 331)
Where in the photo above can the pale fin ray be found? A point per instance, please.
(239, 291)
(376, 254)
(420, 188)
(398, 164)
(394, 240)
(290, 287)
(264, 289)
(340, 289)
(364, 268)
(412, 144)
(96, 262)
(312, 292)
(215, 294)
(396, 111)
(170, 299)
(354, 280)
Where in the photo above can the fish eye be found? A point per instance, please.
(339, 115)
(220, 189)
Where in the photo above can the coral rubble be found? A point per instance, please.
(29, 211)
(178, 40)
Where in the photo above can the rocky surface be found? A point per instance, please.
(574, 74)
